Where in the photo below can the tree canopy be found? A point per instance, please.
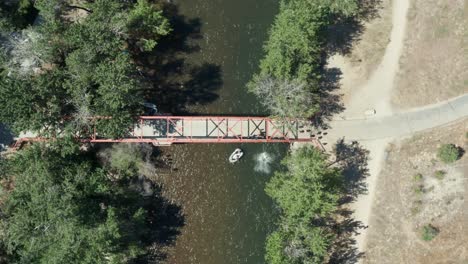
(307, 192)
(77, 62)
(60, 206)
(16, 14)
(293, 54)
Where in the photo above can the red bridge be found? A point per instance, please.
(166, 130)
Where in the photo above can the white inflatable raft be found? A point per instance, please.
(236, 155)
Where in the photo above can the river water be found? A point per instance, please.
(227, 213)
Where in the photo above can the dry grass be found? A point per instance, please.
(367, 53)
(434, 64)
(409, 196)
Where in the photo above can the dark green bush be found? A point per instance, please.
(440, 174)
(429, 232)
(448, 153)
(417, 177)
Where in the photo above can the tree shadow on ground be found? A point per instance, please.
(342, 34)
(340, 37)
(173, 82)
(352, 158)
(344, 248)
(329, 102)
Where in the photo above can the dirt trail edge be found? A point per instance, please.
(400, 124)
(374, 94)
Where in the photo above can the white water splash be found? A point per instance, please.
(263, 162)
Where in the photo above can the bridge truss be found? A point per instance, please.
(167, 130)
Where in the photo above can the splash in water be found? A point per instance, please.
(263, 162)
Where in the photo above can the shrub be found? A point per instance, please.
(430, 189)
(417, 177)
(429, 232)
(128, 159)
(417, 207)
(440, 174)
(448, 153)
(419, 189)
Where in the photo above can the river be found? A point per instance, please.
(227, 213)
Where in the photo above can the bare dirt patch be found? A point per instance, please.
(366, 51)
(415, 189)
(76, 11)
(434, 63)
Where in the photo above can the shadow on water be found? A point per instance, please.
(352, 158)
(228, 213)
(164, 218)
(340, 38)
(165, 221)
(6, 137)
(175, 84)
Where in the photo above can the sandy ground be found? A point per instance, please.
(374, 94)
(424, 63)
(366, 51)
(399, 210)
(363, 205)
(434, 63)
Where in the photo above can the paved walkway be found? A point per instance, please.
(400, 124)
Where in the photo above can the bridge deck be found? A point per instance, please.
(209, 129)
(166, 130)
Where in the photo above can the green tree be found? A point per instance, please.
(275, 248)
(294, 52)
(90, 62)
(64, 208)
(16, 14)
(146, 21)
(33, 103)
(307, 193)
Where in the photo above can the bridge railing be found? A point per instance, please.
(215, 129)
(166, 130)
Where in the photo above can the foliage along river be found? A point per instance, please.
(227, 213)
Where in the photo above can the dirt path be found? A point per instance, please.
(401, 124)
(376, 94)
